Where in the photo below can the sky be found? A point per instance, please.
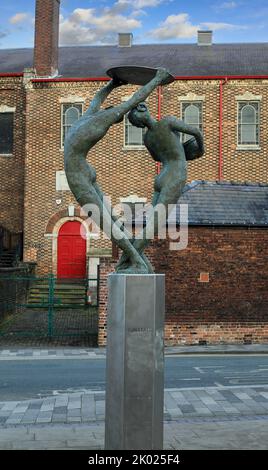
(87, 22)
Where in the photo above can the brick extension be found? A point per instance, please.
(230, 308)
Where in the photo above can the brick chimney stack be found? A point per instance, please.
(47, 13)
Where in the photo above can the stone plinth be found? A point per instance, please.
(135, 362)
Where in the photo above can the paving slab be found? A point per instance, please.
(179, 435)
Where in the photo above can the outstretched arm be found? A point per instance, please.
(101, 96)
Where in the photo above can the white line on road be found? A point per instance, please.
(212, 367)
(190, 379)
(219, 385)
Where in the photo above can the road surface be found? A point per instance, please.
(26, 379)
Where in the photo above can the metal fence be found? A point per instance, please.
(49, 309)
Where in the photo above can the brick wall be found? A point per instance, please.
(123, 172)
(238, 165)
(12, 94)
(230, 308)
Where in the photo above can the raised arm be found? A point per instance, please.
(142, 93)
(101, 96)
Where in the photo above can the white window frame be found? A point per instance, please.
(128, 146)
(185, 104)
(241, 146)
(9, 110)
(70, 104)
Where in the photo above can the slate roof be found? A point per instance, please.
(225, 203)
(180, 59)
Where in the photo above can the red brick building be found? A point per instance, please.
(217, 286)
(221, 88)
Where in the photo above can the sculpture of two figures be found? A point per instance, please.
(162, 139)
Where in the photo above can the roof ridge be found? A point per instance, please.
(217, 183)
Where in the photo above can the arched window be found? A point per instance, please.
(248, 123)
(71, 112)
(192, 115)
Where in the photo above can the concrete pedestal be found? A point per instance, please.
(135, 362)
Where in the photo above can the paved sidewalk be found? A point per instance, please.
(94, 353)
(89, 406)
(204, 418)
(220, 434)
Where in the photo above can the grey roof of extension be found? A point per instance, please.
(225, 203)
(180, 59)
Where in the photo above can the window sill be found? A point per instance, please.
(8, 155)
(248, 147)
(134, 147)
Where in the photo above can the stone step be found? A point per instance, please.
(64, 294)
(56, 298)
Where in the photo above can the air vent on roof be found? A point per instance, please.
(125, 39)
(204, 38)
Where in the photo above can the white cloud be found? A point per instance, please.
(175, 27)
(20, 18)
(180, 27)
(138, 4)
(146, 3)
(137, 13)
(88, 26)
(218, 26)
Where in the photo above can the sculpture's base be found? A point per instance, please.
(135, 362)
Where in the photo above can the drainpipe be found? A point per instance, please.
(222, 82)
(159, 99)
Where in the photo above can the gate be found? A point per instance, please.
(48, 310)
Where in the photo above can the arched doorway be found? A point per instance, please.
(71, 251)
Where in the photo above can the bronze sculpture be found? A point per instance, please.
(161, 139)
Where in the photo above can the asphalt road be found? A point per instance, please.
(33, 379)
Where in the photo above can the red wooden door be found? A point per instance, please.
(71, 251)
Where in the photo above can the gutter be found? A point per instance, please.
(77, 79)
(223, 77)
(105, 79)
(222, 83)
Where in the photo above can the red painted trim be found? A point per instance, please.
(59, 80)
(159, 115)
(223, 77)
(105, 79)
(11, 74)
